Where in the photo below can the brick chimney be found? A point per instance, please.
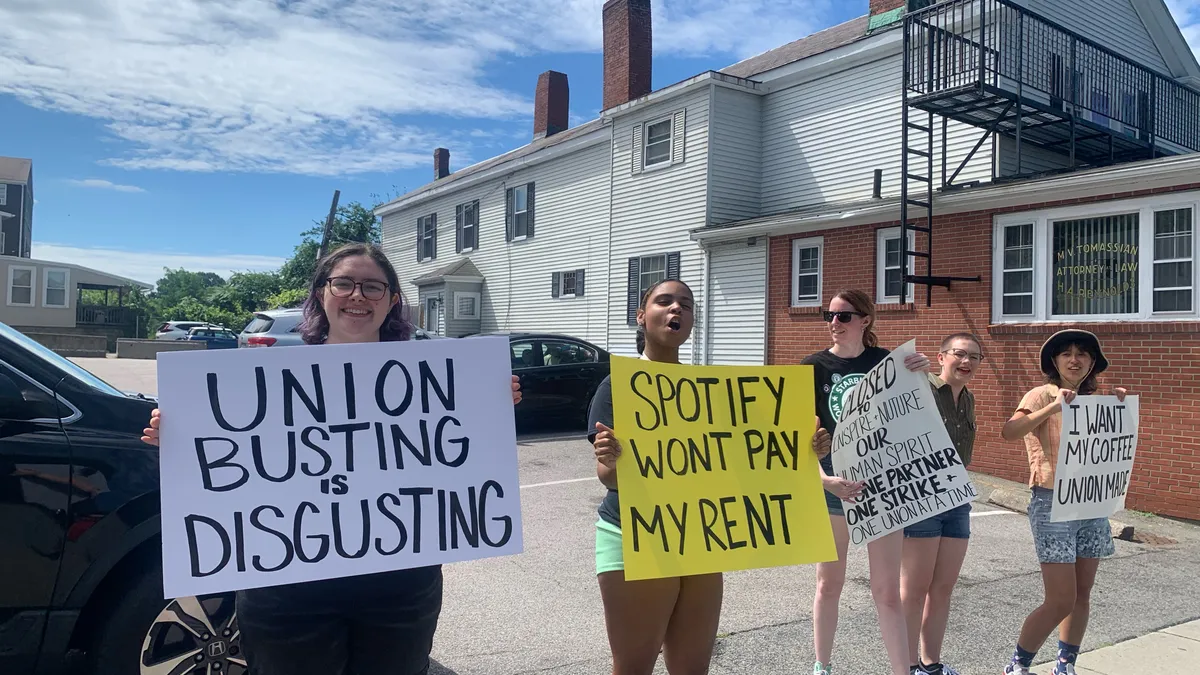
(627, 51)
(552, 105)
(441, 163)
(884, 13)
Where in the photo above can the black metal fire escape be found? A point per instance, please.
(1061, 101)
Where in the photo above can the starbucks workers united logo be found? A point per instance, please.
(841, 388)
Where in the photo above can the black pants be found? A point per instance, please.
(379, 624)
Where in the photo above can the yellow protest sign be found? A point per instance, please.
(717, 471)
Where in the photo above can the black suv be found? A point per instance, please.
(80, 554)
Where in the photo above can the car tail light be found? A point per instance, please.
(80, 526)
(259, 341)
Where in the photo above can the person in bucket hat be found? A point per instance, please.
(1069, 552)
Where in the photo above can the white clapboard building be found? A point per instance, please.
(564, 233)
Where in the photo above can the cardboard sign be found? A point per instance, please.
(292, 464)
(1095, 457)
(891, 436)
(717, 471)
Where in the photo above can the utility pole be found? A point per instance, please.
(328, 226)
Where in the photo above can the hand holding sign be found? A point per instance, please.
(1095, 456)
(892, 441)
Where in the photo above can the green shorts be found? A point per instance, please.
(609, 555)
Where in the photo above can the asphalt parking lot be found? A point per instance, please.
(540, 612)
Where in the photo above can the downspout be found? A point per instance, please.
(608, 309)
(767, 300)
(706, 345)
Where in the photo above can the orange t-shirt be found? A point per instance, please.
(1042, 443)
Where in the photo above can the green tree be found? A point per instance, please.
(175, 285)
(287, 298)
(352, 223)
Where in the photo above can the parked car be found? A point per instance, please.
(79, 507)
(281, 328)
(558, 373)
(178, 330)
(216, 338)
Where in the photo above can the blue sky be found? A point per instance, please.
(208, 134)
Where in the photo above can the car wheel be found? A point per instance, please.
(147, 635)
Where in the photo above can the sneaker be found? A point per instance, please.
(1064, 668)
(1015, 669)
(819, 669)
(942, 669)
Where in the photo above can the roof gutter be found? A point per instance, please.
(702, 80)
(587, 140)
(1147, 175)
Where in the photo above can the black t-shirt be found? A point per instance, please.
(602, 411)
(834, 378)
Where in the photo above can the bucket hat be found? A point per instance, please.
(1054, 344)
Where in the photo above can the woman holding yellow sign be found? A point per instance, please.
(855, 351)
(675, 615)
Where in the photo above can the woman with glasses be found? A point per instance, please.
(855, 351)
(363, 625)
(934, 549)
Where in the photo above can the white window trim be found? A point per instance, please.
(1042, 242)
(522, 237)
(562, 281)
(797, 244)
(670, 119)
(459, 315)
(66, 287)
(3, 194)
(641, 269)
(421, 221)
(474, 226)
(881, 258)
(32, 285)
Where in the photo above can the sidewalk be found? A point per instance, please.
(1170, 651)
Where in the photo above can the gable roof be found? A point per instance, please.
(15, 169)
(817, 43)
(459, 268)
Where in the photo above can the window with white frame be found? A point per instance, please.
(1131, 260)
(466, 305)
(3, 194)
(890, 254)
(566, 284)
(20, 285)
(54, 287)
(520, 212)
(658, 143)
(427, 236)
(806, 272)
(652, 269)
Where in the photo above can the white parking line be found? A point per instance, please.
(558, 482)
(982, 514)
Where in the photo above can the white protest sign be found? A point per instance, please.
(891, 437)
(293, 464)
(1095, 457)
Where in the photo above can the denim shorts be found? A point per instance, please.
(953, 524)
(1064, 542)
(834, 504)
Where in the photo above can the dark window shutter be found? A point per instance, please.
(529, 206)
(508, 214)
(433, 228)
(579, 283)
(475, 224)
(420, 237)
(673, 265)
(632, 300)
(458, 228)
(556, 284)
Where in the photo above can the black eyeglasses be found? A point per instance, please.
(843, 317)
(343, 287)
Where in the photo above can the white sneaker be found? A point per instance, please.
(1015, 669)
(1061, 668)
(819, 669)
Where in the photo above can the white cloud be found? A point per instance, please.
(147, 266)
(105, 185)
(1187, 15)
(322, 87)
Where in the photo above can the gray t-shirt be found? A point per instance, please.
(602, 411)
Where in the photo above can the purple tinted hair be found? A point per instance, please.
(315, 327)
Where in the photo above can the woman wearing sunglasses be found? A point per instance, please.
(855, 351)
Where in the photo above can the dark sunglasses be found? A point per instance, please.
(843, 317)
(343, 287)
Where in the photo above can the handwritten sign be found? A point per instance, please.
(891, 437)
(292, 464)
(717, 471)
(1095, 457)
